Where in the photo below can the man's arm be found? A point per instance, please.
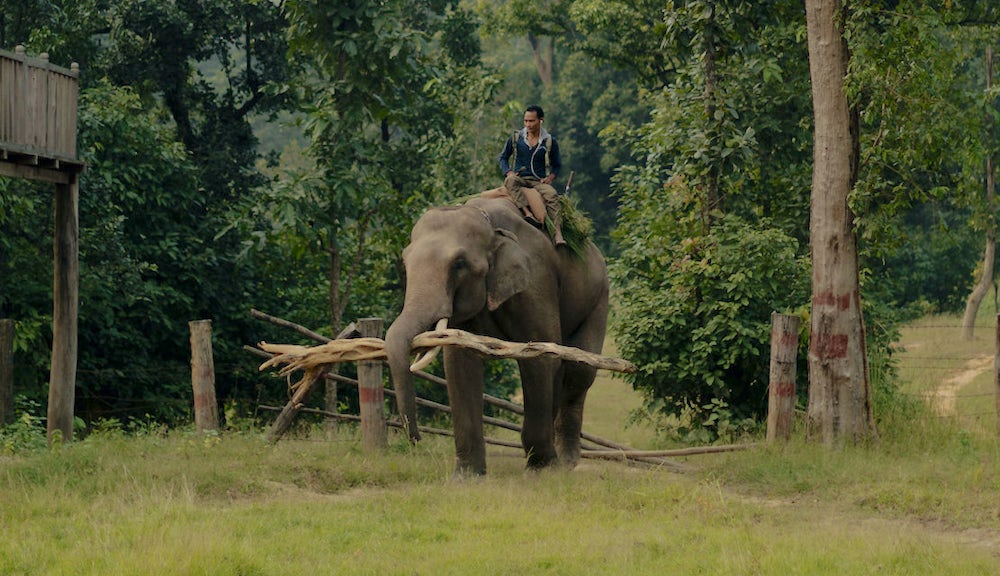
(555, 162)
(508, 149)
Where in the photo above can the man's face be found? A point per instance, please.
(531, 122)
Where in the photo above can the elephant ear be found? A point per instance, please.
(509, 269)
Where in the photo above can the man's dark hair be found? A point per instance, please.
(537, 110)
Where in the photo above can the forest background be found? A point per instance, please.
(254, 154)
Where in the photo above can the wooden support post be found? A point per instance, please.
(284, 420)
(370, 393)
(781, 393)
(206, 411)
(65, 307)
(6, 371)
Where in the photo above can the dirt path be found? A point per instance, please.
(944, 397)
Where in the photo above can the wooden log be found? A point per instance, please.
(492, 400)
(6, 371)
(206, 409)
(370, 395)
(396, 424)
(65, 310)
(300, 391)
(496, 348)
(287, 324)
(302, 357)
(668, 453)
(781, 389)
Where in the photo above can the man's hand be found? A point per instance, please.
(549, 179)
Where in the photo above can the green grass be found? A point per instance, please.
(923, 500)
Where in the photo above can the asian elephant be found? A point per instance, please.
(487, 271)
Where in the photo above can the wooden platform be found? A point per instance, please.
(38, 116)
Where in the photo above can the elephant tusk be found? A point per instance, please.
(428, 357)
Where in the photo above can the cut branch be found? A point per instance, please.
(304, 358)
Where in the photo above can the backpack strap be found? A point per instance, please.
(547, 143)
(513, 143)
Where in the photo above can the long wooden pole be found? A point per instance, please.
(65, 307)
(650, 457)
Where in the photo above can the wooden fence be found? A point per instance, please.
(38, 109)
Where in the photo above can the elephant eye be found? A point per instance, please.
(460, 263)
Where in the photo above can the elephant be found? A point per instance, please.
(486, 270)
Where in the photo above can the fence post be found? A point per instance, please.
(206, 413)
(6, 371)
(781, 389)
(370, 394)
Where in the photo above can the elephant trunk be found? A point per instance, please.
(398, 349)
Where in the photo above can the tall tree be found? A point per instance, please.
(989, 253)
(840, 406)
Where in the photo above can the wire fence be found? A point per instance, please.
(953, 375)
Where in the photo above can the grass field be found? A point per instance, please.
(923, 500)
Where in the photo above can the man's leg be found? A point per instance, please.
(514, 183)
(535, 203)
(553, 208)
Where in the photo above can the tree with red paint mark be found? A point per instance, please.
(839, 389)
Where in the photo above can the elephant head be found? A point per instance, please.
(458, 265)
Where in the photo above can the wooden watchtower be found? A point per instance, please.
(38, 111)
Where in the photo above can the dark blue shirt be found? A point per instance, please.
(530, 161)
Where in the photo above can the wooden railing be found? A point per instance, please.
(38, 109)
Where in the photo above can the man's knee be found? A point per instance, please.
(547, 191)
(512, 182)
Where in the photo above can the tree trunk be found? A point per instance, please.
(712, 200)
(839, 388)
(543, 55)
(330, 399)
(986, 278)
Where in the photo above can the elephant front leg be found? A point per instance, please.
(537, 384)
(464, 373)
(577, 379)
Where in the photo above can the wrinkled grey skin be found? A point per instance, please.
(489, 272)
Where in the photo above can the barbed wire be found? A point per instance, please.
(939, 326)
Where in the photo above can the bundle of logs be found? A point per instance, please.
(349, 346)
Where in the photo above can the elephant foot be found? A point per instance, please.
(465, 473)
(538, 461)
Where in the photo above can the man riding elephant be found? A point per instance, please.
(536, 164)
